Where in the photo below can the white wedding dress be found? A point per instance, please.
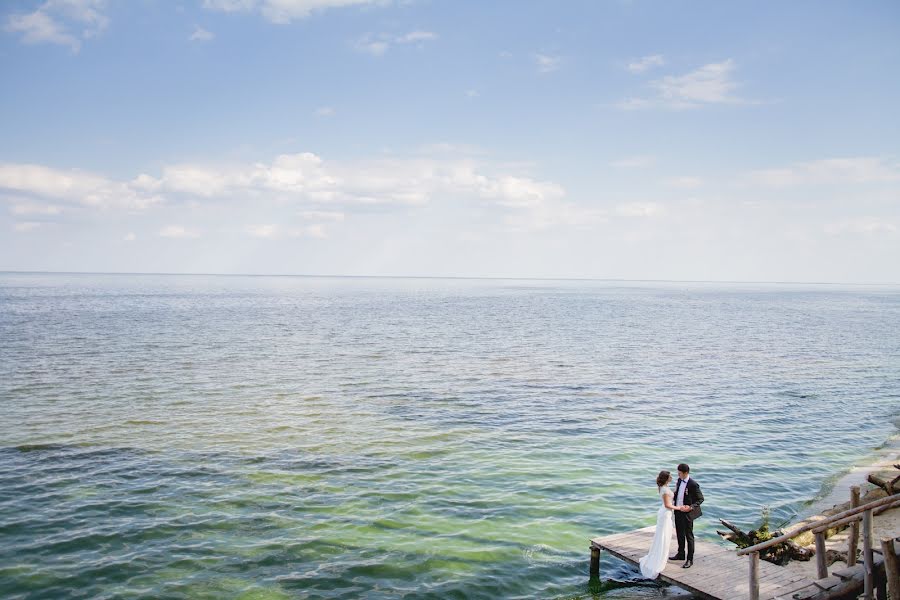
(655, 561)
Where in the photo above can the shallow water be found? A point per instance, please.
(281, 437)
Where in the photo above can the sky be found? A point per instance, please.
(729, 141)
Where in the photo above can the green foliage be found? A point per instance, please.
(755, 536)
(763, 529)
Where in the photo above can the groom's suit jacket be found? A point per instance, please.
(692, 496)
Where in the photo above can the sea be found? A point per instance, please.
(274, 437)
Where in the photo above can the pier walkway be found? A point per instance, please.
(718, 572)
(723, 573)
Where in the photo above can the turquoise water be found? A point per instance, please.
(287, 437)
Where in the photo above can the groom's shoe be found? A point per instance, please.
(677, 557)
(687, 564)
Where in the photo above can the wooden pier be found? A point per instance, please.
(726, 573)
(718, 572)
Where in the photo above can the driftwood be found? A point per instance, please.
(779, 554)
(801, 547)
(833, 556)
(889, 481)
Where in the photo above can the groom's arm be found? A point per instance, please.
(698, 496)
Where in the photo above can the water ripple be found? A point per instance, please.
(216, 437)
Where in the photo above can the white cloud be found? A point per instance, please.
(80, 188)
(645, 63)
(26, 226)
(639, 209)
(546, 63)
(63, 22)
(317, 191)
(284, 11)
(634, 104)
(201, 35)
(315, 231)
(195, 180)
(416, 36)
(544, 216)
(388, 183)
(325, 111)
(522, 191)
(38, 27)
(684, 182)
(632, 162)
(862, 169)
(274, 232)
(375, 47)
(472, 94)
(304, 178)
(860, 226)
(129, 237)
(379, 44)
(321, 215)
(230, 5)
(709, 84)
(31, 208)
(178, 231)
(263, 231)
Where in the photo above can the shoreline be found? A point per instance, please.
(832, 494)
(887, 524)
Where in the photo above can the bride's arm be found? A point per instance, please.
(667, 501)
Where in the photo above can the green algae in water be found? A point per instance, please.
(285, 464)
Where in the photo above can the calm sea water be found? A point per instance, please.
(285, 437)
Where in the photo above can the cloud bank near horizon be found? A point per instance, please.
(299, 136)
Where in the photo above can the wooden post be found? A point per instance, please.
(754, 576)
(821, 567)
(853, 541)
(595, 562)
(868, 557)
(891, 568)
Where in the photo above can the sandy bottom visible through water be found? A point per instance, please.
(887, 524)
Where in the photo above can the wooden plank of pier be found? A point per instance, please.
(718, 573)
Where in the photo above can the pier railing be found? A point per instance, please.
(850, 516)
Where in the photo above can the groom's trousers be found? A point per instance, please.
(684, 531)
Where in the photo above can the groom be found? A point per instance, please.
(688, 499)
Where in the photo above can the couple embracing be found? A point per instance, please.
(679, 509)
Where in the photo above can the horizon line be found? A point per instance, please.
(452, 277)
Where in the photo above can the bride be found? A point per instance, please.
(656, 558)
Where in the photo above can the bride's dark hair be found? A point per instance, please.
(663, 478)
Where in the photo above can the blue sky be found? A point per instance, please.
(637, 140)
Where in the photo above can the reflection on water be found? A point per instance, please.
(189, 436)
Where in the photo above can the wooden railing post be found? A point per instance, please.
(821, 566)
(891, 568)
(595, 562)
(853, 542)
(754, 576)
(868, 557)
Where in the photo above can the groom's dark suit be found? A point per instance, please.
(684, 521)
